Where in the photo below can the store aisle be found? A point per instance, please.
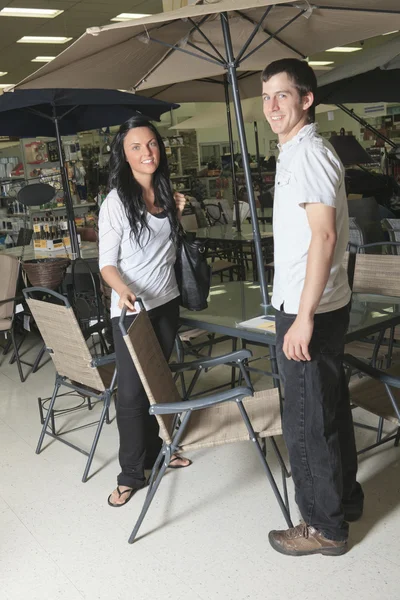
(205, 537)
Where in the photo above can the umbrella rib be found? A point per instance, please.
(207, 39)
(354, 9)
(273, 35)
(37, 112)
(256, 29)
(172, 49)
(221, 62)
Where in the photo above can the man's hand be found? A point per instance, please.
(180, 202)
(297, 339)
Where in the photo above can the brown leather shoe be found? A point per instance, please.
(304, 539)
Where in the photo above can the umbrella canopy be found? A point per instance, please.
(30, 113)
(209, 40)
(56, 112)
(252, 111)
(208, 89)
(372, 77)
(141, 54)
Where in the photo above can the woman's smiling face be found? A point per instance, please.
(142, 151)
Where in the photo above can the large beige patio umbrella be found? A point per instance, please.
(209, 40)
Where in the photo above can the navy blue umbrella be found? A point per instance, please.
(57, 112)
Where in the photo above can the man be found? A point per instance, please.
(311, 296)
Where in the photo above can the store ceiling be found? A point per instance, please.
(77, 16)
(15, 58)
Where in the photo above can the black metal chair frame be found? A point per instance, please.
(182, 411)
(84, 392)
(389, 381)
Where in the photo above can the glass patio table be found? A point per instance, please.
(234, 302)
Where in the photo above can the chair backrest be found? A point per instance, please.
(9, 272)
(24, 236)
(152, 368)
(65, 342)
(393, 228)
(227, 209)
(215, 215)
(244, 210)
(356, 234)
(377, 274)
(189, 222)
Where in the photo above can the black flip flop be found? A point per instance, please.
(131, 490)
(178, 466)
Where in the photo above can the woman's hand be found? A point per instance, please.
(127, 298)
(180, 202)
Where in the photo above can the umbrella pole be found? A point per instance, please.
(75, 252)
(231, 68)
(232, 150)
(258, 162)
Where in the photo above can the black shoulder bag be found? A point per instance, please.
(193, 273)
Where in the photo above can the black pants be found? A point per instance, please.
(318, 426)
(139, 442)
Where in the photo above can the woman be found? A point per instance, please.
(138, 232)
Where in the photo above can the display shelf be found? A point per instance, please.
(44, 210)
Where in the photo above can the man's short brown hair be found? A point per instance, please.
(301, 75)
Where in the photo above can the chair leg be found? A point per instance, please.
(380, 430)
(49, 413)
(279, 457)
(39, 358)
(16, 354)
(397, 440)
(7, 346)
(149, 496)
(267, 469)
(103, 417)
(233, 370)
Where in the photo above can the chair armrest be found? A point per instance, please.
(15, 299)
(206, 363)
(103, 360)
(171, 408)
(382, 376)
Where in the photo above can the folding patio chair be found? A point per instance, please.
(231, 416)
(75, 367)
(379, 394)
(9, 276)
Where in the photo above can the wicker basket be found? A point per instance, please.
(46, 272)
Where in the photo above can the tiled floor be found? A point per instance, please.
(205, 536)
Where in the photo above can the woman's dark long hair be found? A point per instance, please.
(130, 191)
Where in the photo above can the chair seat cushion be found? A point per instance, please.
(371, 395)
(223, 423)
(222, 265)
(5, 324)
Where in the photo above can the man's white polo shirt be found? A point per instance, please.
(308, 170)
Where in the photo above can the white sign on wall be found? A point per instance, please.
(375, 109)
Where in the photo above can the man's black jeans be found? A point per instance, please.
(317, 424)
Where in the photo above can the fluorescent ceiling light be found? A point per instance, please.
(43, 59)
(2, 73)
(320, 63)
(40, 13)
(43, 39)
(129, 16)
(390, 32)
(343, 49)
